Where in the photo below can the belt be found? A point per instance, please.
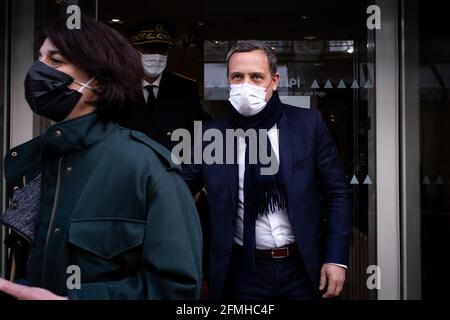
(279, 253)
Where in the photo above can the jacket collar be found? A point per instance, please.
(75, 134)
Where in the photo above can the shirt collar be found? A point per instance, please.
(157, 82)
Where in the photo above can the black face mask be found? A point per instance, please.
(47, 92)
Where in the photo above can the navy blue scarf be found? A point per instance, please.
(262, 193)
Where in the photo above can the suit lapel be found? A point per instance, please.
(285, 150)
(162, 87)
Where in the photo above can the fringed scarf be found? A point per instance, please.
(262, 193)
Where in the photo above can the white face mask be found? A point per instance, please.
(154, 64)
(247, 99)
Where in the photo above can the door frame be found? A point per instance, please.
(387, 155)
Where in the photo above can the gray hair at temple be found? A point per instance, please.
(252, 45)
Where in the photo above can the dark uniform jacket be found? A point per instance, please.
(112, 204)
(177, 106)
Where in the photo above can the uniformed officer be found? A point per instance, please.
(171, 101)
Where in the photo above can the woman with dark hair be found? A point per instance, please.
(97, 211)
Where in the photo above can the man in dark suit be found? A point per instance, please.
(267, 232)
(170, 101)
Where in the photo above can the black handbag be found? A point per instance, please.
(21, 218)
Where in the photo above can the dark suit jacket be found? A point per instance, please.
(177, 106)
(315, 181)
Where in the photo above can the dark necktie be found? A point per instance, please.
(151, 100)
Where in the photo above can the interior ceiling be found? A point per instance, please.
(232, 19)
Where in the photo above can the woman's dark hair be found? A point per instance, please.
(104, 53)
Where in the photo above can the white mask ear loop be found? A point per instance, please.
(85, 85)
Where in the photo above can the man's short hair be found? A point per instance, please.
(252, 45)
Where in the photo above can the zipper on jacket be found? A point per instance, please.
(52, 218)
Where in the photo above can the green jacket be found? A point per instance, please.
(112, 204)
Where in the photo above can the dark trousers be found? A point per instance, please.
(275, 279)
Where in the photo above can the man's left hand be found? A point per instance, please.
(334, 276)
(22, 292)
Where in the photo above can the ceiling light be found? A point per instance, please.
(115, 21)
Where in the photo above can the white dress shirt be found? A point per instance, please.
(272, 230)
(155, 85)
